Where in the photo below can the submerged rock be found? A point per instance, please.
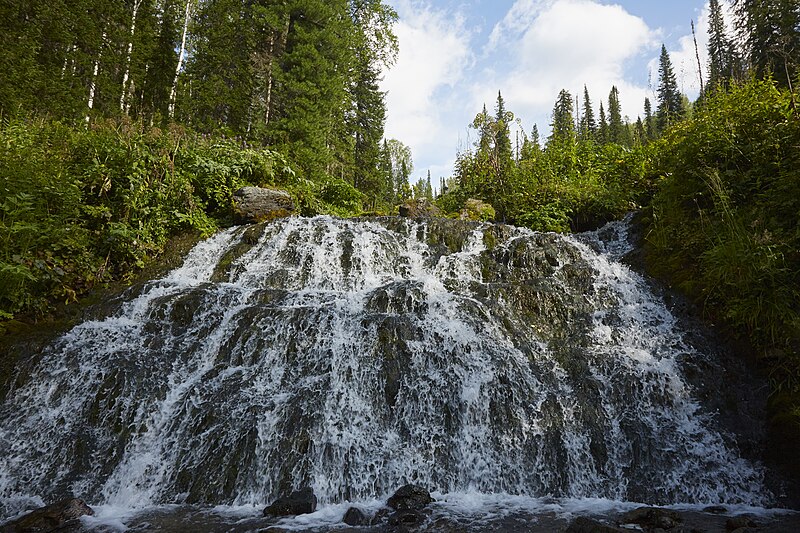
(740, 523)
(411, 497)
(355, 517)
(255, 204)
(583, 524)
(651, 518)
(53, 517)
(301, 501)
(407, 517)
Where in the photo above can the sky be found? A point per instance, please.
(456, 55)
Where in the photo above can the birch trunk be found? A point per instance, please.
(123, 97)
(93, 85)
(268, 98)
(70, 48)
(186, 18)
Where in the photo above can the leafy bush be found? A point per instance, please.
(724, 223)
(84, 206)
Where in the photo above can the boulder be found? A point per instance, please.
(409, 497)
(419, 209)
(50, 518)
(256, 204)
(652, 518)
(355, 517)
(407, 518)
(301, 501)
(740, 522)
(583, 524)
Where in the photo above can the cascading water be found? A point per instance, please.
(354, 356)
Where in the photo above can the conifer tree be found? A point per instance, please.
(588, 130)
(563, 125)
(771, 34)
(503, 156)
(615, 125)
(502, 138)
(639, 133)
(387, 173)
(670, 101)
(602, 130)
(724, 62)
(649, 120)
(368, 121)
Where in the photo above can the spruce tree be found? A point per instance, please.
(588, 130)
(563, 125)
(503, 156)
(502, 138)
(639, 133)
(368, 121)
(602, 130)
(724, 62)
(670, 101)
(649, 120)
(616, 128)
(771, 34)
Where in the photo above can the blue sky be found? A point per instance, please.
(455, 56)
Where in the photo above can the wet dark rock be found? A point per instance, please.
(302, 501)
(53, 517)
(715, 509)
(583, 524)
(739, 522)
(255, 204)
(652, 518)
(355, 517)
(381, 516)
(409, 497)
(407, 518)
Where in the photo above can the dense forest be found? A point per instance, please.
(125, 123)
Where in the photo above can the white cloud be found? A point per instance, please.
(565, 44)
(434, 53)
(449, 67)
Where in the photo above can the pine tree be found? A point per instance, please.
(503, 156)
(670, 101)
(602, 130)
(563, 125)
(649, 120)
(724, 62)
(615, 125)
(502, 138)
(588, 130)
(368, 121)
(771, 33)
(387, 173)
(484, 123)
(639, 133)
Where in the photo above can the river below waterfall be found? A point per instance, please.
(524, 378)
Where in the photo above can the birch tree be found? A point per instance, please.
(123, 105)
(173, 90)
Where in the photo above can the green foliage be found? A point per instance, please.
(724, 221)
(574, 184)
(477, 210)
(81, 207)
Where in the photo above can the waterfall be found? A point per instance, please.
(357, 355)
